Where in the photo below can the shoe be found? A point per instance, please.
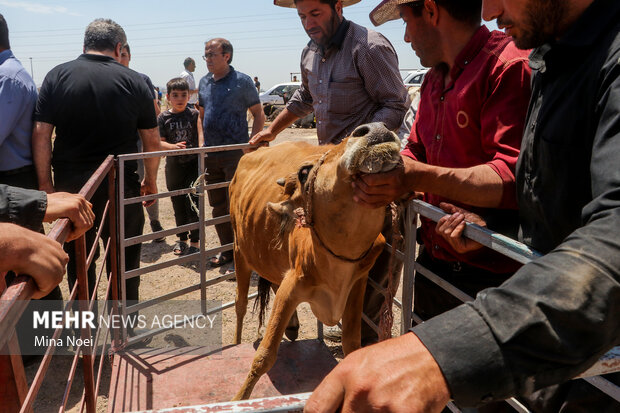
(332, 333)
(191, 250)
(156, 226)
(179, 248)
(219, 260)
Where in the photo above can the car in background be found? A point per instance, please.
(414, 77)
(279, 94)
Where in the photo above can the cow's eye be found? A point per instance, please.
(303, 173)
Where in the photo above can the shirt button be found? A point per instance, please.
(320, 80)
(323, 60)
(466, 62)
(436, 246)
(441, 98)
(437, 137)
(320, 101)
(319, 122)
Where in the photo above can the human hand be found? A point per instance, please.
(148, 188)
(262, 138)
(451, 228)
(72, 206)
(378, 190)
(180, 145)
(34, 254)
(396, 375)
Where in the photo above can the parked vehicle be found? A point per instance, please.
(414, 77)
(279, 94)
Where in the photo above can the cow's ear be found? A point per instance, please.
(303, 173)
(284, 208)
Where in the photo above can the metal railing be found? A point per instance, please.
(16, 297)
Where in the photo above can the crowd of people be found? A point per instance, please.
(517, 131)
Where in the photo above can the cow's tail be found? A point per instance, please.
(262, 299)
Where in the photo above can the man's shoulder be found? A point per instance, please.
(367, 38)
(14, 72)
(504, 49)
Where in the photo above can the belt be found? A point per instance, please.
(10, 172)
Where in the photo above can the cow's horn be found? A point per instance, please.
(281, 181)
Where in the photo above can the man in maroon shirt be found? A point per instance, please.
(465, 140)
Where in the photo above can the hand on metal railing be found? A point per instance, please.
(451, 228)
(28, 252)
(72, 206)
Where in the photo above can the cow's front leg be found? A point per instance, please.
(292, 329)
(284, 306)
(352, 317)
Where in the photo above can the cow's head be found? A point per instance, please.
(321, 185)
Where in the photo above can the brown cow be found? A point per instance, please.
(306, 234)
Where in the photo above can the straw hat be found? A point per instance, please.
(386, 11)
(291, 3)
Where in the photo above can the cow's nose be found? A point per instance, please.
(375, 133)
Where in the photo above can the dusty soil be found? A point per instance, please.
(170, 279)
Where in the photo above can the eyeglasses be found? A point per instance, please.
(210, 55)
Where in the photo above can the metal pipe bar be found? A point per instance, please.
(161, 265)
(182, 152)
(72, 370)
(160, 299)
(177, 192)
(95, 246)
(371, 323)
(173, 231)
(400, 256)
(442, 283)
(605, 386)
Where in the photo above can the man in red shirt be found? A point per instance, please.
(465, 140)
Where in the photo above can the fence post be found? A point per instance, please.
(113, 275)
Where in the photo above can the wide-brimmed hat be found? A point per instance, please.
(291, 3)
(387, 10)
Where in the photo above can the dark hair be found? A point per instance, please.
(178, 83)
(103, 34)
(225, 45)
(332, 3)
(466, 11)
(188, 61)
(4, 34)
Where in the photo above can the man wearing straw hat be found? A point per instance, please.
(349, 76)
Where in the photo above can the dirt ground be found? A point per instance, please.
(170, 279)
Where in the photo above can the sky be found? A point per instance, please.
(267, 39)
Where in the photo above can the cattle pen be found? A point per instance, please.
(167, 379)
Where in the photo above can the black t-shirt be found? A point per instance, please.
(179, 127)
(97, 105)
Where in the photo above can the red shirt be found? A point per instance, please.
(476, 119)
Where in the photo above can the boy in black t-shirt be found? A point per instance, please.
(179, 128)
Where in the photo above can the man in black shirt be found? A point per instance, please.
(557, 315)
(96, 106)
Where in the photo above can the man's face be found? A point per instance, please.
(421, 36)
(217, 61)
(191, 67)
(319, 20)
(531, 23)
(125, 57)
(178, 99)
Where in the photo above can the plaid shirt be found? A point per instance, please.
(354, 81)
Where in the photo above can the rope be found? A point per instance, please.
(386, 315)
(201, 180)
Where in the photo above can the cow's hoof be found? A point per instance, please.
(291, 333)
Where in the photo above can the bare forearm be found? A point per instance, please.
(151, 143)
(282, 121)
(477, 186)
(259, 119)
(42, 154)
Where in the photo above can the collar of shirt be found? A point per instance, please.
(97, 57)
(228, 75)
(5, 55)
(336, 40)
(469, 52)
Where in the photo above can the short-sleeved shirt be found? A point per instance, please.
(18, 95)
(189, 78)
(180, 127)
(97, 105)
(476, 119)
(225, 104)
(354, 81)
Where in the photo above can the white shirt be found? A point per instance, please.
(189, 77)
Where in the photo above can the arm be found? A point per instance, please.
(151, 143)
(259, 118)
(387, 90)
(28, 252)
(359, 383)
(42, 154)
(478, 186)
(11, 106)
(284, 119)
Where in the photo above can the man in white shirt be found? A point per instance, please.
(188, 75)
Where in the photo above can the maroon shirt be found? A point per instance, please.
(476, 119)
